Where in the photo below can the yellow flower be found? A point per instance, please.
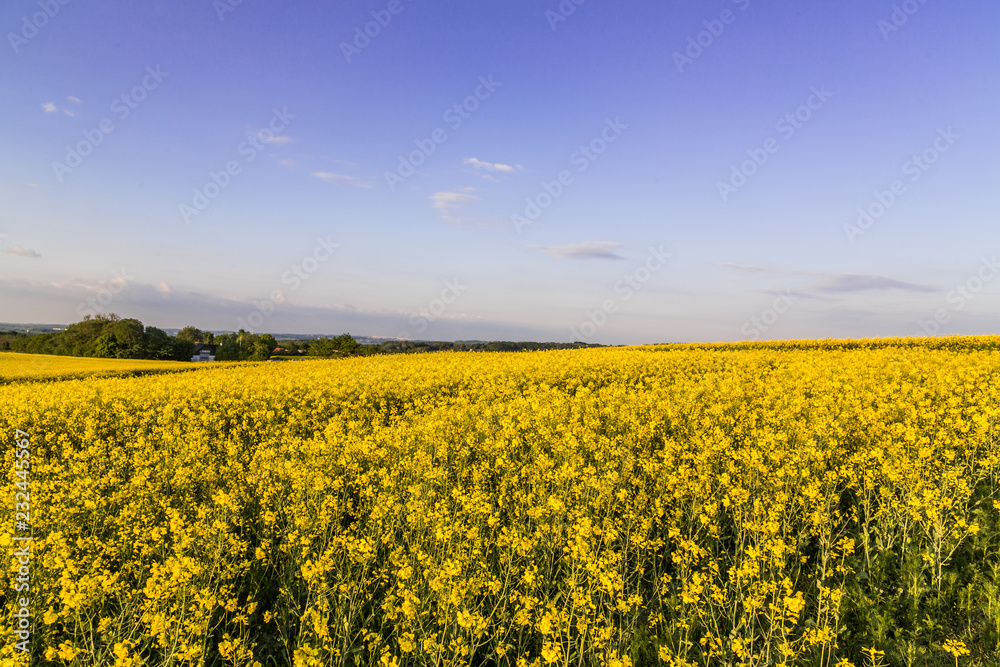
(550, 653)
(956, 648)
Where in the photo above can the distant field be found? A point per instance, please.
(16, 367)
(824, 503)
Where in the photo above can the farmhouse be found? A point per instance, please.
(204, 352)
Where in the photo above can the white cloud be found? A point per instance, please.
(49, 107)
(340, 178)
(75, 99)
(163, 288)
(275, 139)
(489, 166)
(24, 252)
(268, 136)
(449, 202)
(587, 250)
(286, 163)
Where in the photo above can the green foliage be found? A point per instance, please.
(244, 346)
(181, 350)
(108, 336)
(229, 348)
(342, 346)
(193, 334)
(260, 352)
(106, 346)
(158, 344)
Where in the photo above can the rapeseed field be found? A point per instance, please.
(18, 367)
(822, 503)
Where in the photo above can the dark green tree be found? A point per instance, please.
(131, 338)
(193, 334)
(181, 350)
(158, 344)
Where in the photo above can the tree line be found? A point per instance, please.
(111, 336)
(107, 336)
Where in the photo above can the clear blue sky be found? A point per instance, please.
(408, 183)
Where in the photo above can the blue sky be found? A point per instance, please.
(624, 173)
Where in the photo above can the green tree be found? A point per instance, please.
(79, 339)
(269, 341)
(106, 346)
(229, 348)
(260, 352)
(131, 338)
(346, 343)
(324, 347)
(193, 334)
(158, 344)
(181, 350)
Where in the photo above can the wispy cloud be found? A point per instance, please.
(489, 166)
(834, 283)
(449, 202)
(749, 268)
(588, 250)
(340, 178)
(853, 282)
(23, 252)
(50, 107)
(269, 138)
